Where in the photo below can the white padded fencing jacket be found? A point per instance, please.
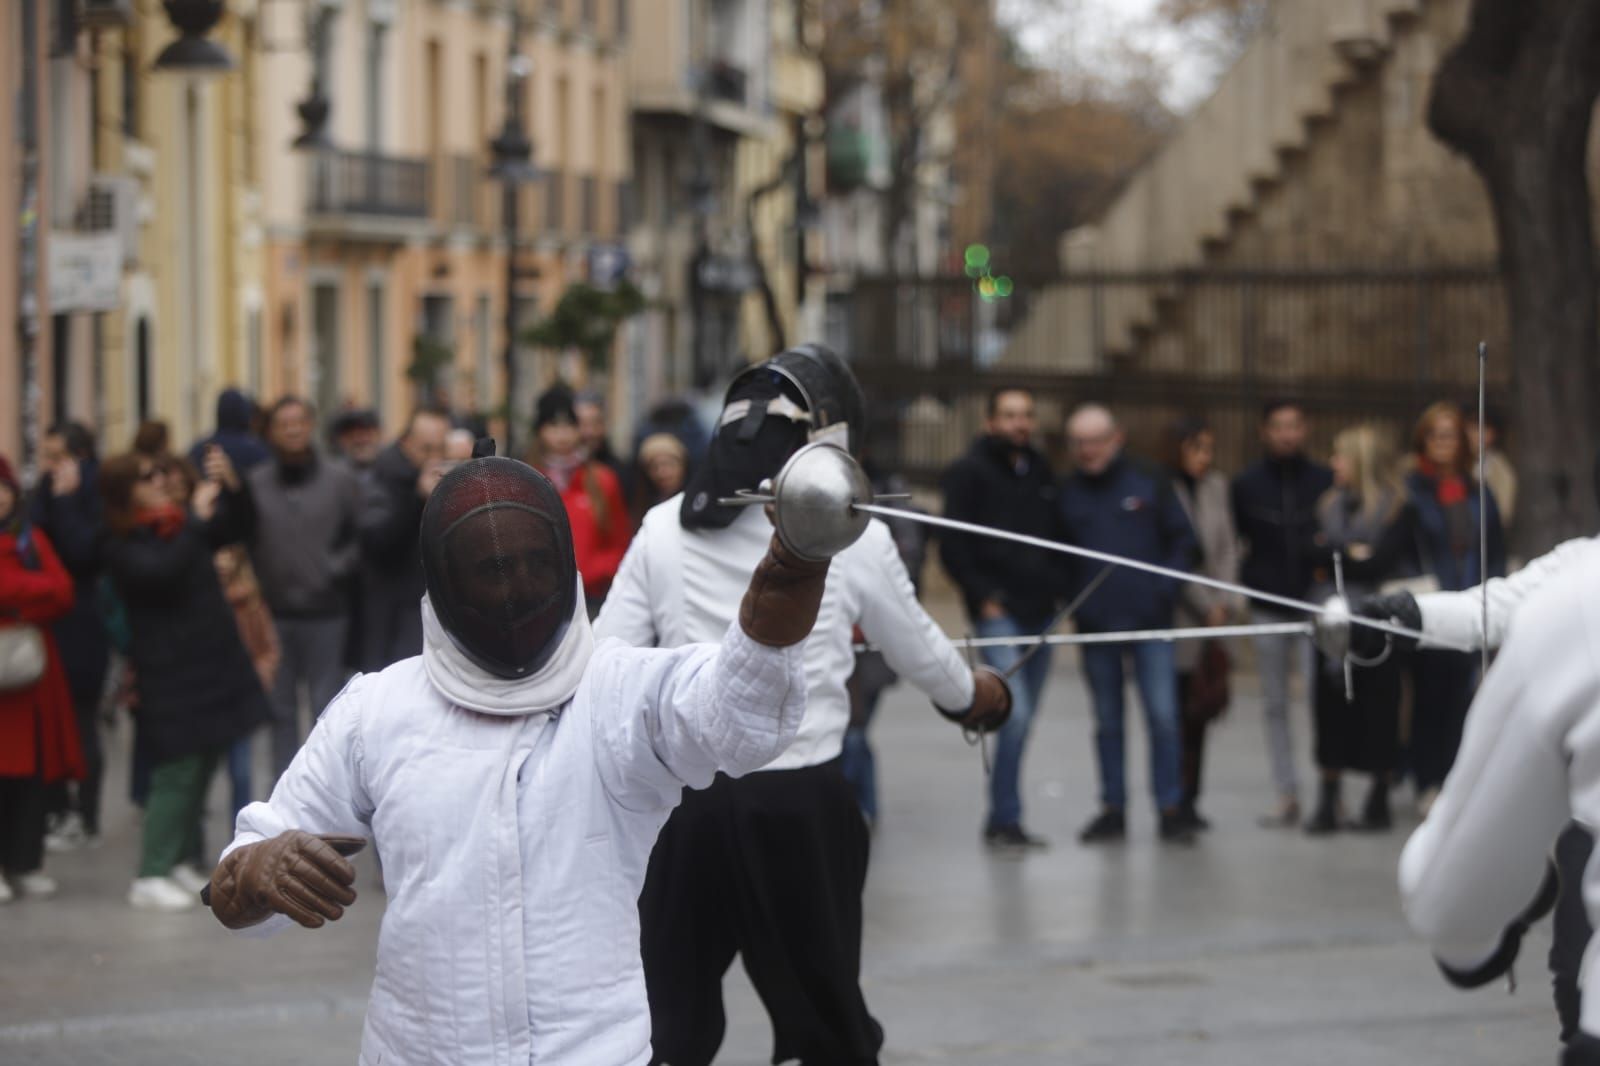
(677, 587)
(1529, 761)
(1456, 618)
(513, 847)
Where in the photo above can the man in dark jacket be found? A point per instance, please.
(234, 435)
(1112, 503)
(305, 551)
(400, 482)
(1274, 509)
(66, 505)
(1005, 482)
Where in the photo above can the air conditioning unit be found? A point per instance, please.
(112, 206)
(102, 13)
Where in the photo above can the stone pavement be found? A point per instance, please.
(1254, 946)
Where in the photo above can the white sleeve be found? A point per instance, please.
(626, 613)
(666, 719)
(1476, 863)
(911, 642)
(320, 792)
(1456, 618)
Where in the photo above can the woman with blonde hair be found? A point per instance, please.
(1366, 519)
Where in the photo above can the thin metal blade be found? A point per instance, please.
(1268, 629)
(1483, 498)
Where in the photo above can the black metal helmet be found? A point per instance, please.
(828, 391)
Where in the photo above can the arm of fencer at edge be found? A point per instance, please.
(1457, 617)
(626, 612)
(891, 618)
(321, 791)
(1477, 862)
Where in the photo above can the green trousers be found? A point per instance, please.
(172, 813)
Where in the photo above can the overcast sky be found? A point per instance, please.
(1090, 36)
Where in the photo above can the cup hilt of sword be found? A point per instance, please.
(814, 501)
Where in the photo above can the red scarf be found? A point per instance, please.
(165, 520)
(1450, 490)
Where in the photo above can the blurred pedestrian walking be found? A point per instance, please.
(1448, 503)
(66, 507)
(1203, 666)
(198, 691)
(601, 526)
(356, 436)
(402, 479)
(1498, 471)
(1274, 508)
(1005, 482)
(1113, 503)
(663, 468)
(38, 731)
(594, 437)
(234, 434)
(305, 550)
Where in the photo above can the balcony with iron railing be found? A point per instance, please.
(367, 185)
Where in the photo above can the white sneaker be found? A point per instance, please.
(189, 879)
(67, 835)
(36, 884)
(160, 894)
(6, 895)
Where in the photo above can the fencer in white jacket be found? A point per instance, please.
(513, 779)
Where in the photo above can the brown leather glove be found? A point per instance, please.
(991, 702)
(780, 606)
(294, 873)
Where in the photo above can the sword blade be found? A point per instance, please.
(1299, 606)
(1483, 497)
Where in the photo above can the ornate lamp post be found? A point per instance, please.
(511, 164)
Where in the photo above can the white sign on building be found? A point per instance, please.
(85, 272)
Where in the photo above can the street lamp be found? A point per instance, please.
(193, 53)
(314, 109)
(511, 164)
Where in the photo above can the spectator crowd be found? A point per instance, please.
(227, 593)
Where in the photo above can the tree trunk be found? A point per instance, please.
(1516, 96)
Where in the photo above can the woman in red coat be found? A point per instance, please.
(601, 526)
(38, 733)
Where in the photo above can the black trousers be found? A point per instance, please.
(22, 810)
(1444, 685)
(769, 867)
(1193, 729)
(1363, 734)
(83, 796)
(1571, 932)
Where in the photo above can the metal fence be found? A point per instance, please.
(1353, 345)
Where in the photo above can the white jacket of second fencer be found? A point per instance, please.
(1456, 618)
(513, 848)
(1529, 761)
(678, 587)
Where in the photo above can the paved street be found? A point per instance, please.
(1253, 947)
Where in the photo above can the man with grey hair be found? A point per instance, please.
(1113, 503)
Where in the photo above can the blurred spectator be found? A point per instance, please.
(66, 507)
(1202, 665)
(1111, 503)
(1366, 518)
(198, 691)
(1447, 503)
(1498, 471)
(305, 551)
(1005, 482)
(677, 416)
(1274, 509)
(662, 464)
(458, 446)
(233, 434)
(601, 527)
(357, 437)
(260, 637)
(872, 675)
(38, 734)
(402, 478)
(595, 440)
(153, 439)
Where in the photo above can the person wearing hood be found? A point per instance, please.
(234, 434)
(601, 525)
(66, 507)
(772, 866)
(513, 779)
(305, 552)
(38, 732)
(1005, 482)
(397, 487)
(1116, 504)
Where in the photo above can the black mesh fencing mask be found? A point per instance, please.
(497, 559)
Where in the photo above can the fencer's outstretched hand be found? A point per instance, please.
(1397, 607)
(295, 873)
(991, 702)
(780, 606)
